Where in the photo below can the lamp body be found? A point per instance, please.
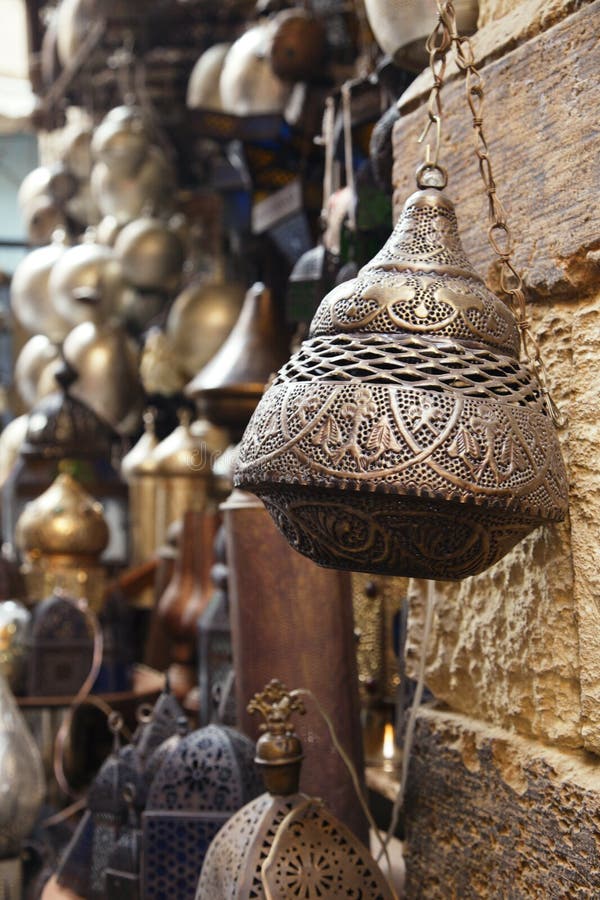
(406, 437)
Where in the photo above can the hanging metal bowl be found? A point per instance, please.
(405, 437)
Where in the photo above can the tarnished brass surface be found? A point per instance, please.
(151, 254)
(201, 318)
(65, 519)
(376, 603)
(61, 537)
(228, 388)
(138, 468)
(285, 845)
(106, 361)
(405, 437)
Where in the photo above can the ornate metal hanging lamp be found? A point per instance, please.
(413, 433)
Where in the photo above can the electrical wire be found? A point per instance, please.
(354, 776)
(412, 717)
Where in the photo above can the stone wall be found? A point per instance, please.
(518, 647)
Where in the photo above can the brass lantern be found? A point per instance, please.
(285, 844)
(405, 437)
(61, 536)
(183, 469)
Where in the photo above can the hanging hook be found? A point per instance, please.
(433, 119)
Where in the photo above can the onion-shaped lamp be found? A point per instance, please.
(21, 789)
(406, 437)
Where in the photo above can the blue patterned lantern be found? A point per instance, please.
(207, 777)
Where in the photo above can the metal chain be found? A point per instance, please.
(444, 36)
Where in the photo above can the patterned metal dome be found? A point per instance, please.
(284, 844)
(212, 770)
(200, 784)
(405, 437)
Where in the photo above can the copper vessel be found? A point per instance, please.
(406, 437)
(299, 45)
(293, 620)
(186, 597)
(228, 388)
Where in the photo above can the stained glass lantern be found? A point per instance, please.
(200, 785)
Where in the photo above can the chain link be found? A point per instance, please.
(444, 36)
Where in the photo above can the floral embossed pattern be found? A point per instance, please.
(405, 437)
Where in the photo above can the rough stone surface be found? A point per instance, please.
(584, 464)
(520, 644)
(493, 815)
(541, 114)
(503, 25)
(505, 646)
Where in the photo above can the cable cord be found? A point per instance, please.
(409, 734)
(355, 779)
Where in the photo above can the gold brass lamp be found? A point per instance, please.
(183, 462)
(61, 537)
(412, 434)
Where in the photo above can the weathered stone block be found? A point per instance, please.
(541, 112)
(489, 814)
(505, 646)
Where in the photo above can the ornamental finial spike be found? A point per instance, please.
(278, 751)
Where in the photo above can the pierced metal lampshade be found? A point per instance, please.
(405, 437)
(285, 844)
(201, 783)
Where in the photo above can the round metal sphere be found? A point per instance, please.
(35, 368)
(86, 284)
(203, 87)
(200, 319)
(30, 295)
(149, 191)
(121, 140)
(150, 254)
(107, 366)
(248, 84)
